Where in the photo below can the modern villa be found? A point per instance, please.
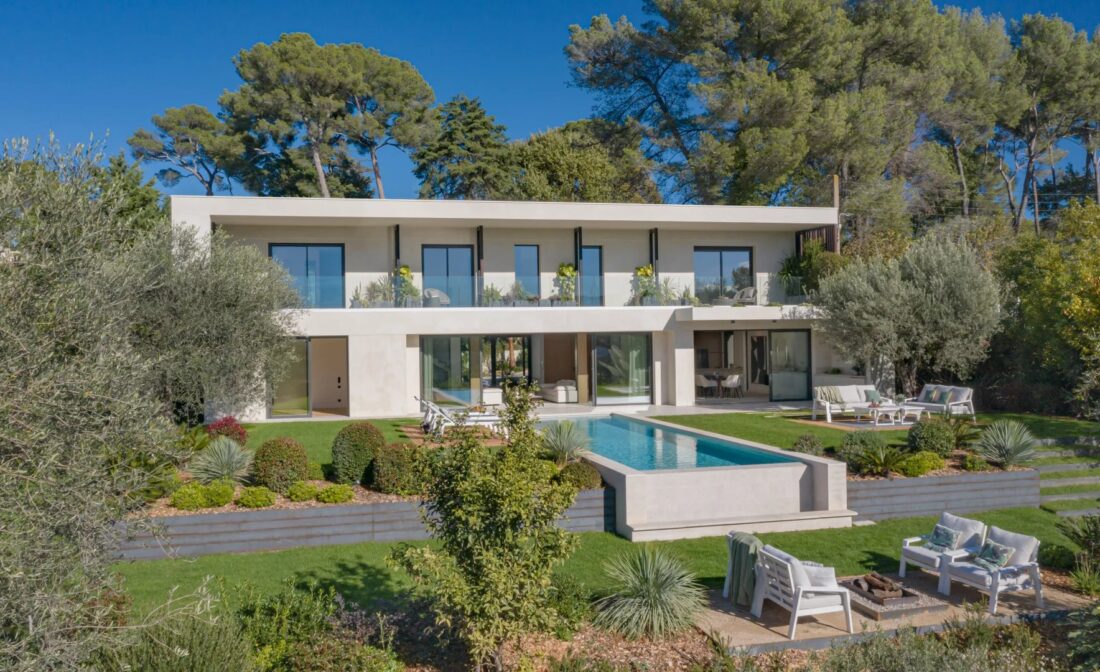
(601, 304)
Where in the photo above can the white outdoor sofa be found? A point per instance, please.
(945, 399)
(1019, 574)
(802, 588)
(841, 399)
(913, 552)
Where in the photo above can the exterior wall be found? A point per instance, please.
(929, 496)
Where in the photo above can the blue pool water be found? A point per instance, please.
(642, 446)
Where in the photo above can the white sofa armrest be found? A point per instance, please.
(831, 590)
(906, 543)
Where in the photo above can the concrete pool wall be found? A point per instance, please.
(807, 493)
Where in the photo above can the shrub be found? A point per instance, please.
(189, 497)
(280, 462)
(573, 603)
(1084, 531)
(1006, 443)
(294, 614)
(1086, 575)
(964, 429)
(397, 469)
(974, 463)
(655, 595)
(581, 475)
(315, 472)
(219, 493)
(919, 464)
(352, 451)
(808, 444)
(163, 481)
(335, 494)
(301, 491)
(1084, 638)
(565, 442)
(223, 459)
(192, 439)
(256, 497)
(183, 643)
(228, 427)
(339, 654)
(855, 444)
(879, 460)
(933, 435)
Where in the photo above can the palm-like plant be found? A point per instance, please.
(655, 595)
(565, 441)
(222, 459)
(964, 429)
(1006, 443)
(879, 460)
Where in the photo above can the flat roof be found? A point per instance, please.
(264, 210)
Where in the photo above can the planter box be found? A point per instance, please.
(928, 496)
(274, 529)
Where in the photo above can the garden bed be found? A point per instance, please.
(162, 507)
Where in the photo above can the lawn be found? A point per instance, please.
(1047, 426)
(317, 435)
(360, 572)
(773, 429)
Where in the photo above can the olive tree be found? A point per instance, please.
(493, 512)
(932, 310)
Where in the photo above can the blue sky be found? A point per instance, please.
(81, 68)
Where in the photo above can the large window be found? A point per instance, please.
(505, 358)
(789, 364)
(527, 271)
(449, 269)
(317, 272)
(622, 368)
(591, 275)
(721, 271)
(445, 369)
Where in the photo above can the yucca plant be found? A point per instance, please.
(1006, 443)
(565, 441)
(223, 459)
(654, 595)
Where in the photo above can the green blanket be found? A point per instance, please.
(741, 574)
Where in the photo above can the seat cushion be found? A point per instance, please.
(851, 393)
(973, 531)
(970, 573)
(1024, 547)
(920, 555)
(820, 601)
(824, 577)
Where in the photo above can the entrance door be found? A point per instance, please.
(591, 275)
(290, 397)
(789, 364)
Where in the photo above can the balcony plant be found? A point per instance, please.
(567, 283)
(519, 296)
(404, 288)
(379, 292)
(358, 300)
(492, 296)
(646, 288)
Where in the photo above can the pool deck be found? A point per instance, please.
(738, 630)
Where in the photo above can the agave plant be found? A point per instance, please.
(1006, 443)
(655, 595)
(223, 459)
(565, 441)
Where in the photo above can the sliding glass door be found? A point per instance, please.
(789, 364)
(290, 397)
(445, 370)
(449, 269)
(621, 369)
(591, 276)
(721, 271)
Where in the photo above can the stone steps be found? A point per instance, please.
(1067, 466)
(1079, 512)
(1094, 494)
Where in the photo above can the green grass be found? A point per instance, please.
(1047, 426)
(1070, 489)
(1070, 459)
(1080, 473)
(1071, 504)
(360, 572)
(317, 435)
(773, 429)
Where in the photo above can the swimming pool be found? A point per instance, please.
(647, 447)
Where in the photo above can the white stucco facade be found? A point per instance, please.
(379, 372)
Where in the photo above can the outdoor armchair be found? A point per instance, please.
(802, 588)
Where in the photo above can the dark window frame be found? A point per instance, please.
(583, 273)
(343, 267)
(538, 265)
(724, 248)
(446, 246)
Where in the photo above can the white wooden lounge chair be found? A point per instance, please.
(1021, 572)
(914, 550)
(441, 419)
(802, 588)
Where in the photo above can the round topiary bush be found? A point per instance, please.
(932, 434)
(397, 469)
(256, 497)
(302, 492)
(352, 451)
(335, 494)
(808, 444)
(581, 475)
(219, 493)
(189, 497)
(279, 462)
(919, 464)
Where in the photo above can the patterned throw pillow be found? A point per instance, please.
(925, 394)
(935, 395)
(993, 556)
(872, 396)
(943, 539)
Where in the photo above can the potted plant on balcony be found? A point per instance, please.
(566, 280)
(645, 286)
(518, 296)
(492, 296)
(357, 298)
(405, 290)
(380, 292)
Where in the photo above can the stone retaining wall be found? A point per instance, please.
(932, 495)
(273, 529)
